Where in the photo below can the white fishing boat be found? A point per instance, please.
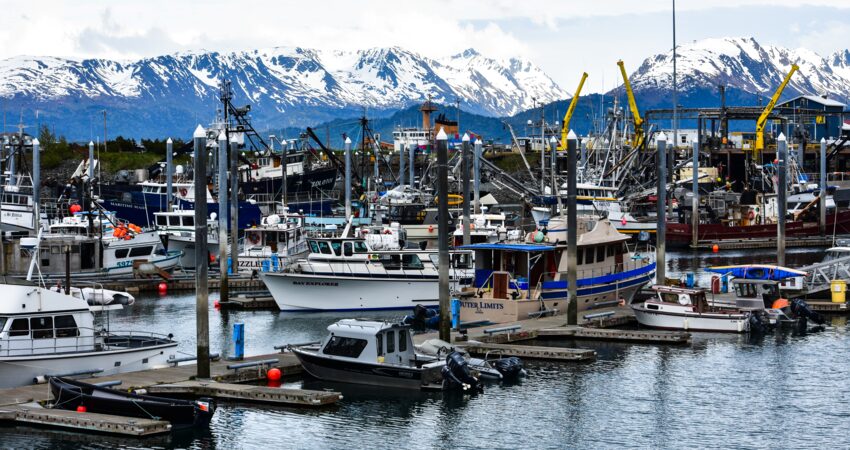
(688, 309)
(45, 333)
(277, 241)
(177, 228)
(345, 274)
(484, 227)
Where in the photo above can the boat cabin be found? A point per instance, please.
(695, 298)
(370, 342)
(755, 294)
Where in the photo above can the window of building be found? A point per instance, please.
(390, 341)
(140, 251)
(344, 346)
(19, 327)
(42, 327)
(66, 326)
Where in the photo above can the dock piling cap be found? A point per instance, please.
(169, 141)
(199, 132)
(572, 135)
(347, 140)
(441, 136)
(465, 137)
(781, 137)
(661, 137)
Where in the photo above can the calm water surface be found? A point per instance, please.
(786, 390)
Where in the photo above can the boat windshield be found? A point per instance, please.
(344, 346)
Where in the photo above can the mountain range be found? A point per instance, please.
(298, 87)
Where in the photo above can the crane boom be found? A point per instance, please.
(565, 125)
(769, 108)
(636, 119)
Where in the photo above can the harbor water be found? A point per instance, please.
(784, 390)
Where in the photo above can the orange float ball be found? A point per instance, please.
(81, 409)
(273, 374)
(715, 248)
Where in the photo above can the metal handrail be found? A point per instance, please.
(98, 338)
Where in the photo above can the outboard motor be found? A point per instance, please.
(758, 323)
(422, 319)
(510, 367)
(204, 410)
(802, 310)
(456, 374)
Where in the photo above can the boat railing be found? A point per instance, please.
(74, 339)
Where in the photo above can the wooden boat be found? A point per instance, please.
(687, 309)
(71, 394)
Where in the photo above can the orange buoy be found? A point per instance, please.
(715, 248)
(81, 409)
(273, 374)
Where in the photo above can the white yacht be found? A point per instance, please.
(345, 274)
(49, 333)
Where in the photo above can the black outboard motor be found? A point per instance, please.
(510, 367)
(758, 323)
(456, 374)
(420, 318)
(802, 310)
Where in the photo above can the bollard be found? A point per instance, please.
(455, 314)
(239, 340)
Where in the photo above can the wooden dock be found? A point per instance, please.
(609, 334)
(101, 423)
(250, 301)
(182, 282)
(246, 393)
(532, 352)
(828, 307)
(735, 244)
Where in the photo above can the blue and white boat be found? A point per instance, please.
(518, 280)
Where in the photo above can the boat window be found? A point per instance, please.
(588, 255)
(324, 247)
(360, 247)
(347, 249)
(668, 297)
(160, 220)
(412, 262)
(141, 251)
(122, 252)
(189, 221)
(66, 326)
(461, 261)
(19, 327)
(2, 323)
(579, 256)
(402, 340)
(314, 247)
(651, 306)
(600, 253)
(745, 290)
(344, 346)
(174, 221)
(390, 341)
(42, 327)
(391, 262)
(380, 341)
(611, 249)
(337, 247)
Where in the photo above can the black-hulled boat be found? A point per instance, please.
(71, 394)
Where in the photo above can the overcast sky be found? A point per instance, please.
(563, 37)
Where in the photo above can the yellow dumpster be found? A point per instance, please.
(838, 289)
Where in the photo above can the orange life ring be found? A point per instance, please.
(253, 238)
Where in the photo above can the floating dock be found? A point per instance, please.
(246, 393)
(532, 352)
(250, 301)
(763, 243)
(72, 420)
(608, 334)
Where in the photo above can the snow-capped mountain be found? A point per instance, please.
(286, 86)
(746, 68)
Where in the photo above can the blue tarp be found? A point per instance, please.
(758, 272)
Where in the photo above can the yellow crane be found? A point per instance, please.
(565, 125)
(636, 119)
(769, 108)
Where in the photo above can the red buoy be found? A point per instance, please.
(75, 208)
(273, 384)
(163, 288)
(81, 408)
(274, 374)
(216, 304)
(715, 248)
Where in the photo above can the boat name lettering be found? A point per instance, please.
(315, 283)
(482, 305)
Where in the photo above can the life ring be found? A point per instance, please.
(751, 215)
(183, 192)
(387, 231)
(454, 199)
(253, 238)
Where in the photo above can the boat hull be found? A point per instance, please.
(186, 245)
(725, 323)
(348, 371)
(22, 370)
(304, 292)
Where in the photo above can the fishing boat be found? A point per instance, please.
(278, 240)
(484, 227)
(518, 280)
(177, 230)
(676, 308)
(346, 274)
(379, 354)
(76, 395)
(46, 333)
